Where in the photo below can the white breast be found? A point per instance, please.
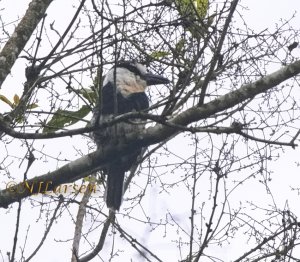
(127, 82)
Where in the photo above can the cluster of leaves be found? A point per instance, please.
(13, 104)
(65, 118)
(16, 100)
(195, 18)
(61, 118)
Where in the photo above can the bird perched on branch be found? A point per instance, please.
(123, 91)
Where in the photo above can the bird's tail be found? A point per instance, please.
(114, 187)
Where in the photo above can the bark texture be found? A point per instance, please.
(12, 49)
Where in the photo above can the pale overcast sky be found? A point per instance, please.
(261, 14)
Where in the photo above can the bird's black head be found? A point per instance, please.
(132, 77)
(141, 71)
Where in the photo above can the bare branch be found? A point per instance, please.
(16, 43)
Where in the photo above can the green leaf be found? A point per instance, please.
(191, 11)
(180, 45)
(202, 7)
(89, 95)
(32, 106)
(90, 179)
(5, 100)
(64, 118)
(16, 100)
(187, 8)
(159, 54)
(210, 20)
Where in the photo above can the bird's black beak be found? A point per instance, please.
(152, 79)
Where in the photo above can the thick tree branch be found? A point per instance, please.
(79, 222)
(94, 161)
(189, 116)
(24, 30)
